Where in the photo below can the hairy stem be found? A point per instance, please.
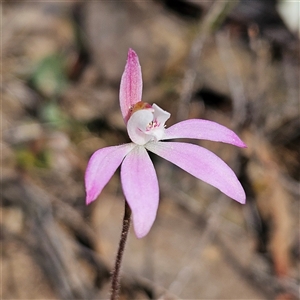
(115, 280)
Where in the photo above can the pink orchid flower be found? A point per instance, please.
(146, 129)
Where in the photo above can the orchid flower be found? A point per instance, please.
(146, 129)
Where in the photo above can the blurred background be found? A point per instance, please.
(233, 62)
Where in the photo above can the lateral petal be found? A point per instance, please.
(202, 164)
(131, 84)
(140, 187)
(101, 167)
(203, 130)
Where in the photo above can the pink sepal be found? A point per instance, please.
(140, 187)
(203, 130)
(101, 167)
(203, 164)
(131, 84)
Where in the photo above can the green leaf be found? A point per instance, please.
(49, 77)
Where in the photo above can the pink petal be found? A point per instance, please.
(203, 164)
(131, 84)
(203, 130)
(140, 188)
(101, 167)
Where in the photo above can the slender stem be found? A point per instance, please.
(115, 280)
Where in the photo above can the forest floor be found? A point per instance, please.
(233, 63)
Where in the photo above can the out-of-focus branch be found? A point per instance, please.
(214, 16)
(234, 80)
(52, 248)
(194, 252)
